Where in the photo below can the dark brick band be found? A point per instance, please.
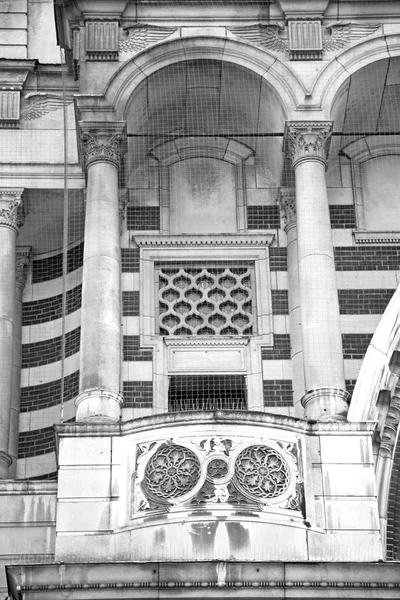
(37, 397)
(278, 392)
(355, 345)
(48, 309)
(342, 216)
(364, 301)
(263, 217)
(366, 258)
(132, 350)
(138, 394)
(130, 304)
(37, 441)
(280, 302)
(281, 349)
(49, 351)
(350, 384)
(143, 218)
(130, 260)
(52, 267)
(278, 259)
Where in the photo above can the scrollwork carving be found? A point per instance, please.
(287, 204)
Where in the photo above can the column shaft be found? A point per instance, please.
(10, 205)
(23, 258)
(100, 353)
(287, 203)
(320, 318)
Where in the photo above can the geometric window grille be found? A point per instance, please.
(205, 299)
(207, 392)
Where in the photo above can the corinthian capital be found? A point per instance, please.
(102, 145)
(287, 205)
(21, 265)
(307, 140)
(11, 208)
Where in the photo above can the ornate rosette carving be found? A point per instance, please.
(11, 209)
(171, 472)
(101, 146)
(261, 472)
(217, 471)
(307, 140)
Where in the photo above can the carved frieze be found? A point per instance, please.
(215, 470)
(38, 104)
(141, 36)
(11, 208)
(305, 140)
(304, 39)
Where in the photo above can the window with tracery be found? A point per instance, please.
(206, 299)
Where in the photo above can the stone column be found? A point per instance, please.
(22, 262)
(307, 145)
(287, 204)
(10, 220)
(99, 396)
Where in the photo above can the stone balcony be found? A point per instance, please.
(224, 485)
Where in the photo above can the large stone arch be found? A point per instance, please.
(282, 80)
(328, 83)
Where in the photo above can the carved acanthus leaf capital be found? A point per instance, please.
(287, 204)
(307, 140)
(21, 265)
(102, 146)
(11, 208)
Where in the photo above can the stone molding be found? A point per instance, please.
(307, 140)
(376, 237)
(102, 145)
(9, 108)
(287, 203)
(21, 266)
(11, 208)
(203, 240)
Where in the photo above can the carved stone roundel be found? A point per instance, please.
(261, 472)
(171, 472)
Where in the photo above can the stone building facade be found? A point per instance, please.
(200, 302)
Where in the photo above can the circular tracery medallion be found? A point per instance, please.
(171, 472)
(261, 472)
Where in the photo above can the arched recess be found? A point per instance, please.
(328, 83)
(288, 87)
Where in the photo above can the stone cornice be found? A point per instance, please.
(203, 240)
(378, 238)
(342, 579)
(307, 140)
(11, 208)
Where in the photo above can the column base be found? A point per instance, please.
(98, 406)
(326, 404)
(5, 463)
